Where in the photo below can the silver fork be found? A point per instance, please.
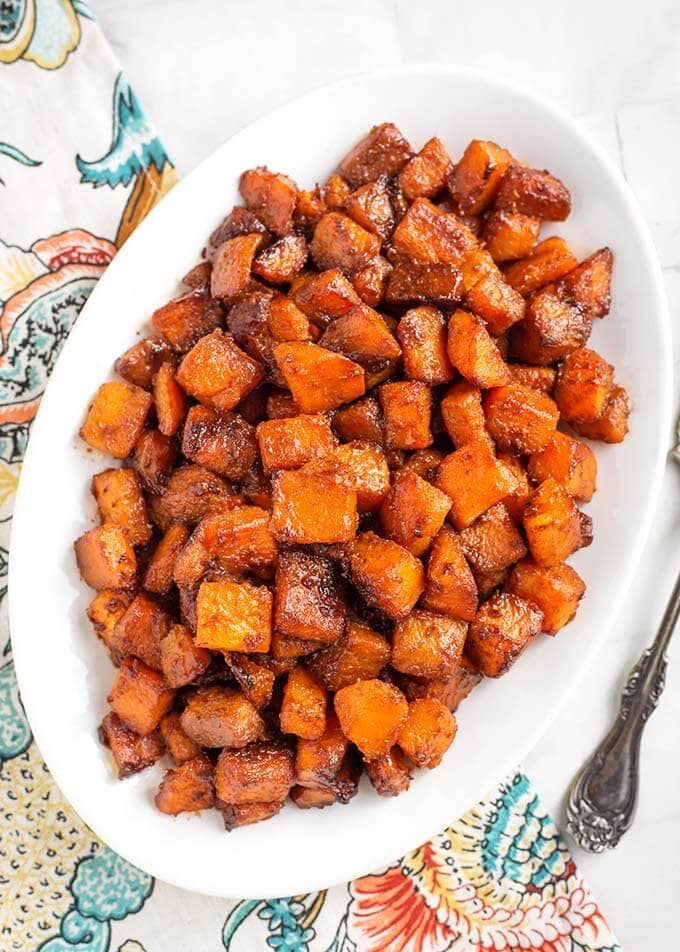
(603, 797)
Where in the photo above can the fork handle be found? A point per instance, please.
(603, 798)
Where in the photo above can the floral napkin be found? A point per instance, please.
(80, 166)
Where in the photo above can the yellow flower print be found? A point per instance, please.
(41, 31)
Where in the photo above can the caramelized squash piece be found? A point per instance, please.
(612, 426)
(309, 208)
(306, 798)
(370, 206)
(178, 744)
(169, 399)
(218, 373)
(182, 661)
(473, 353)
(217, 716)
(192, 492)
(141, 630)
(553, 525)
(280, 405)
(131, 752)
(462, 414)
(116, 418)
(185, 320)
(556, 590)
(271, 197)
(492, 299)
(371, 282)
(239, 221)
(154, 457)
(533, 192)
(426, 173)
(121, 502)
(325, 296)
(141, 362)
(510, 235)
(428, 732)
(297, 516)
(422, 334)
(515, 501)
(450, 588)
(589, 284)
(160, 568)
(451, 692)
(361, 420)
(519, 418)
(139, 696)
(370, 475)
(553, 327)
(318, 762)
(474, 181)
(569, 461)
(475, 480)
(287, 649)
(282, 261)
(584, 383)
(106, 558)
(407, 407)
(425, 234)
(435, 283)
(235, 542)
(291, 442)
(198, 277)
(188, 788)
(319, 379)
(384, 151)
(336, 191)
(386, 574)
(255, 680)
(371, 715)
(359, 655)
(234, 616)
(389, 774)
(503, 627)
(492, 542)
(308, 602)
(423, 463)
(232, 266)
(222, 442)
(549, 261)
(244, 814)
(428, 645)
(538, 378)
(363, 336)
(259, 773)
(413, 512)
(303, 708)
(105, 610)
(339, 242)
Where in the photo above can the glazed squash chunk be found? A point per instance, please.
(169, 399)
(612, 426)
(553, 525)
(244, 814)
(303, 708)
(160, 568)
(140, 631)
(413, 512)
(363, 336)
(407, 407)
(370, 206)
(182, 661)
(139, 696)
(271, 197)
(141, 362)
(307, 798)
(339, 242)
(318, 761)
(589, 284)
(584, 382)
(411, 282)
(371, 715)
(131, 752)
(106, 558)
(154, 457)
(325, 296)
(474, 479)
(428, 732)
(538, 378)
(280, 405)
(533, 192)
(476, 178)
(389, 774)
(510, 235)
(428, 645)
(492, 542)
(423, 463)
(235, 541)
(568, 460)
(473, 352)
(105, 610)
(231, 267)
(185, 320)
(422, 335)
(191, 493)
(308, 602)
(553, 327)
(426, 234)
(462, 414)
(386, 574)
(519, 418)
(287, 650)
(291, 442)
(319, 379)
(371, 282)
(450, 588)
(217, 716)
(384, 151)
(492, 299)
(361, 420)
(121, 502)
(298, 516)
(116, 418)
(515, 501)
(285, 320)
(259, 773)
(359, 655)
(370, 475)
(188, 788)
(222, 442)
(426, 173)
(256, 680)
(503, 627)
(217, 372)
(239, 221)
(450, 692)
(549, 261)
(556, 590)
(178, 743)
(234, 616)
(282, 261)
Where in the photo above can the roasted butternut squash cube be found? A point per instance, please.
(308, 601)
(318, 761)
(280, 404)
(198, 277)
(185, 320)
(319, 379)
(549, 261)
(105, 610)
(361, 420)
(141, 630)
(552, 328)
(426, 173)
(556, 590)
(474, 181)
(492, 542)
(510, 235)
(423, 463)
(413, 512)
(569, 461)
(222, 442)
(131, 752)
(589, 284)
(359, 655)
(371, 282)
(218, 373)
(255, 680)
(533, 192)
(270, 196)
(239, 221)
(235, 541)
(520, 418)
(303, 708)
(450, 692)
(309, 208)
(473, 353)
(386, 574)
(141, 362)
(515, 501)
(116, 418)
(336, 191)
(121, 502)
(154, 457)
(450, 588)
(363, 336)
(389, 774)
(612, 426)
(428, 645)
(325, 296)
(489, 581)
(538, 378)
(139, 696)
(427, 234)
(217, 716)
(370, 206)
(234, 616)
(306, 798)
(475, 480)
(286, 648)
(462, 414)
(584, 382)
(422, 335)
(281, 261)
(369, 472)
(291, 442)
(492, 299)
(407, 408)
(248, 322)
(384, 151)
(286, 321)
(259, 773)
(428, 732)
(552, 524)
(245, 814)
(371, 715)
(182, 661)
(188, 788)
(106, 558)
(412, 282)
(178, 744)
(169, 399)
(191, 493)
(503, 627)
(339, 242)
(297, 516)
(158, 576)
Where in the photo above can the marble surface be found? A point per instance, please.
(205, 69)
